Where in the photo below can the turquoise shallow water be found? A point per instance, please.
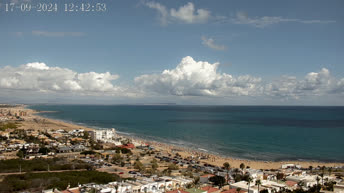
(248, 132)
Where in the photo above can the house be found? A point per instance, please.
(338, 188)
(128, 146)
(233, 190)
(243, 185)
(291, 184)
(211, 189)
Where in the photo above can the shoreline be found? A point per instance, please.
(213, 158)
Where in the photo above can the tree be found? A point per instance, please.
(21, 154)
(117, 158)
(329, 171)
(317, 179)
(238, 190)
(86, 135)
(139, 166)
(154, 164)
(311, 169)
(249, 180)
(195, 181)
(218, 180)
(322, 178)
(279, 176)
(173, 167)
(227, 166)
(242, 166)
(44, 150)
(258, 183)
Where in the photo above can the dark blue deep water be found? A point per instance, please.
(248, 132)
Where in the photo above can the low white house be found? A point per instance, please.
(243, 185)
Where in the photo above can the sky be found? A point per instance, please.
(204, 52)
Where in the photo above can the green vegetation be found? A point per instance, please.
(173, 167)
(9, 125)
(117, 158)
(60, 180)
(218, 180)
(121, 150)
(139, 166)
(14, 165)
(154, 164)
(88, 152)
(86, 135)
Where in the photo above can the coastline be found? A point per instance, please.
(212, 158)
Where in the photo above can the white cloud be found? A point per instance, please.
(56, 34)
(42, 78)
(189, 14)
(188, 78)
(192, 78)
(261, 22)
(186, 14)
(313, 84)
(210, 43)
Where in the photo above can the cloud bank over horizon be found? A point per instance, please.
(190, 78)
(39, 77)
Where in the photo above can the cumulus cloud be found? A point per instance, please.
(200, 78)
(192, 78)
(40, 77)
(186, 13)
(261, 22)
(313, 84)
(188, 78)
(210, 43)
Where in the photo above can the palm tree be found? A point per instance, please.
(227, 166)
(317, 179)
(322, 178)
(242, 166)
(323, 169)
(330, 171)
(258, 183)
(311, 168)
(249, 180)
(238, 190)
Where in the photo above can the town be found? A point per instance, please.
(40, 155)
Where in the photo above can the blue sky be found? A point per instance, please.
(262, 39)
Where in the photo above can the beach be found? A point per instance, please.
(36, 122)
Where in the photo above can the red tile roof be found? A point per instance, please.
(210, 189)
(290, 183)
(128, 146)
(71, 190)
(208, 175)
(233, 190)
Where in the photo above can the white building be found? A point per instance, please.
(104, 135)
(293, 166)
(243, 185)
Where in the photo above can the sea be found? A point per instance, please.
(269, 133)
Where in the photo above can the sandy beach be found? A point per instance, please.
(34, 121)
